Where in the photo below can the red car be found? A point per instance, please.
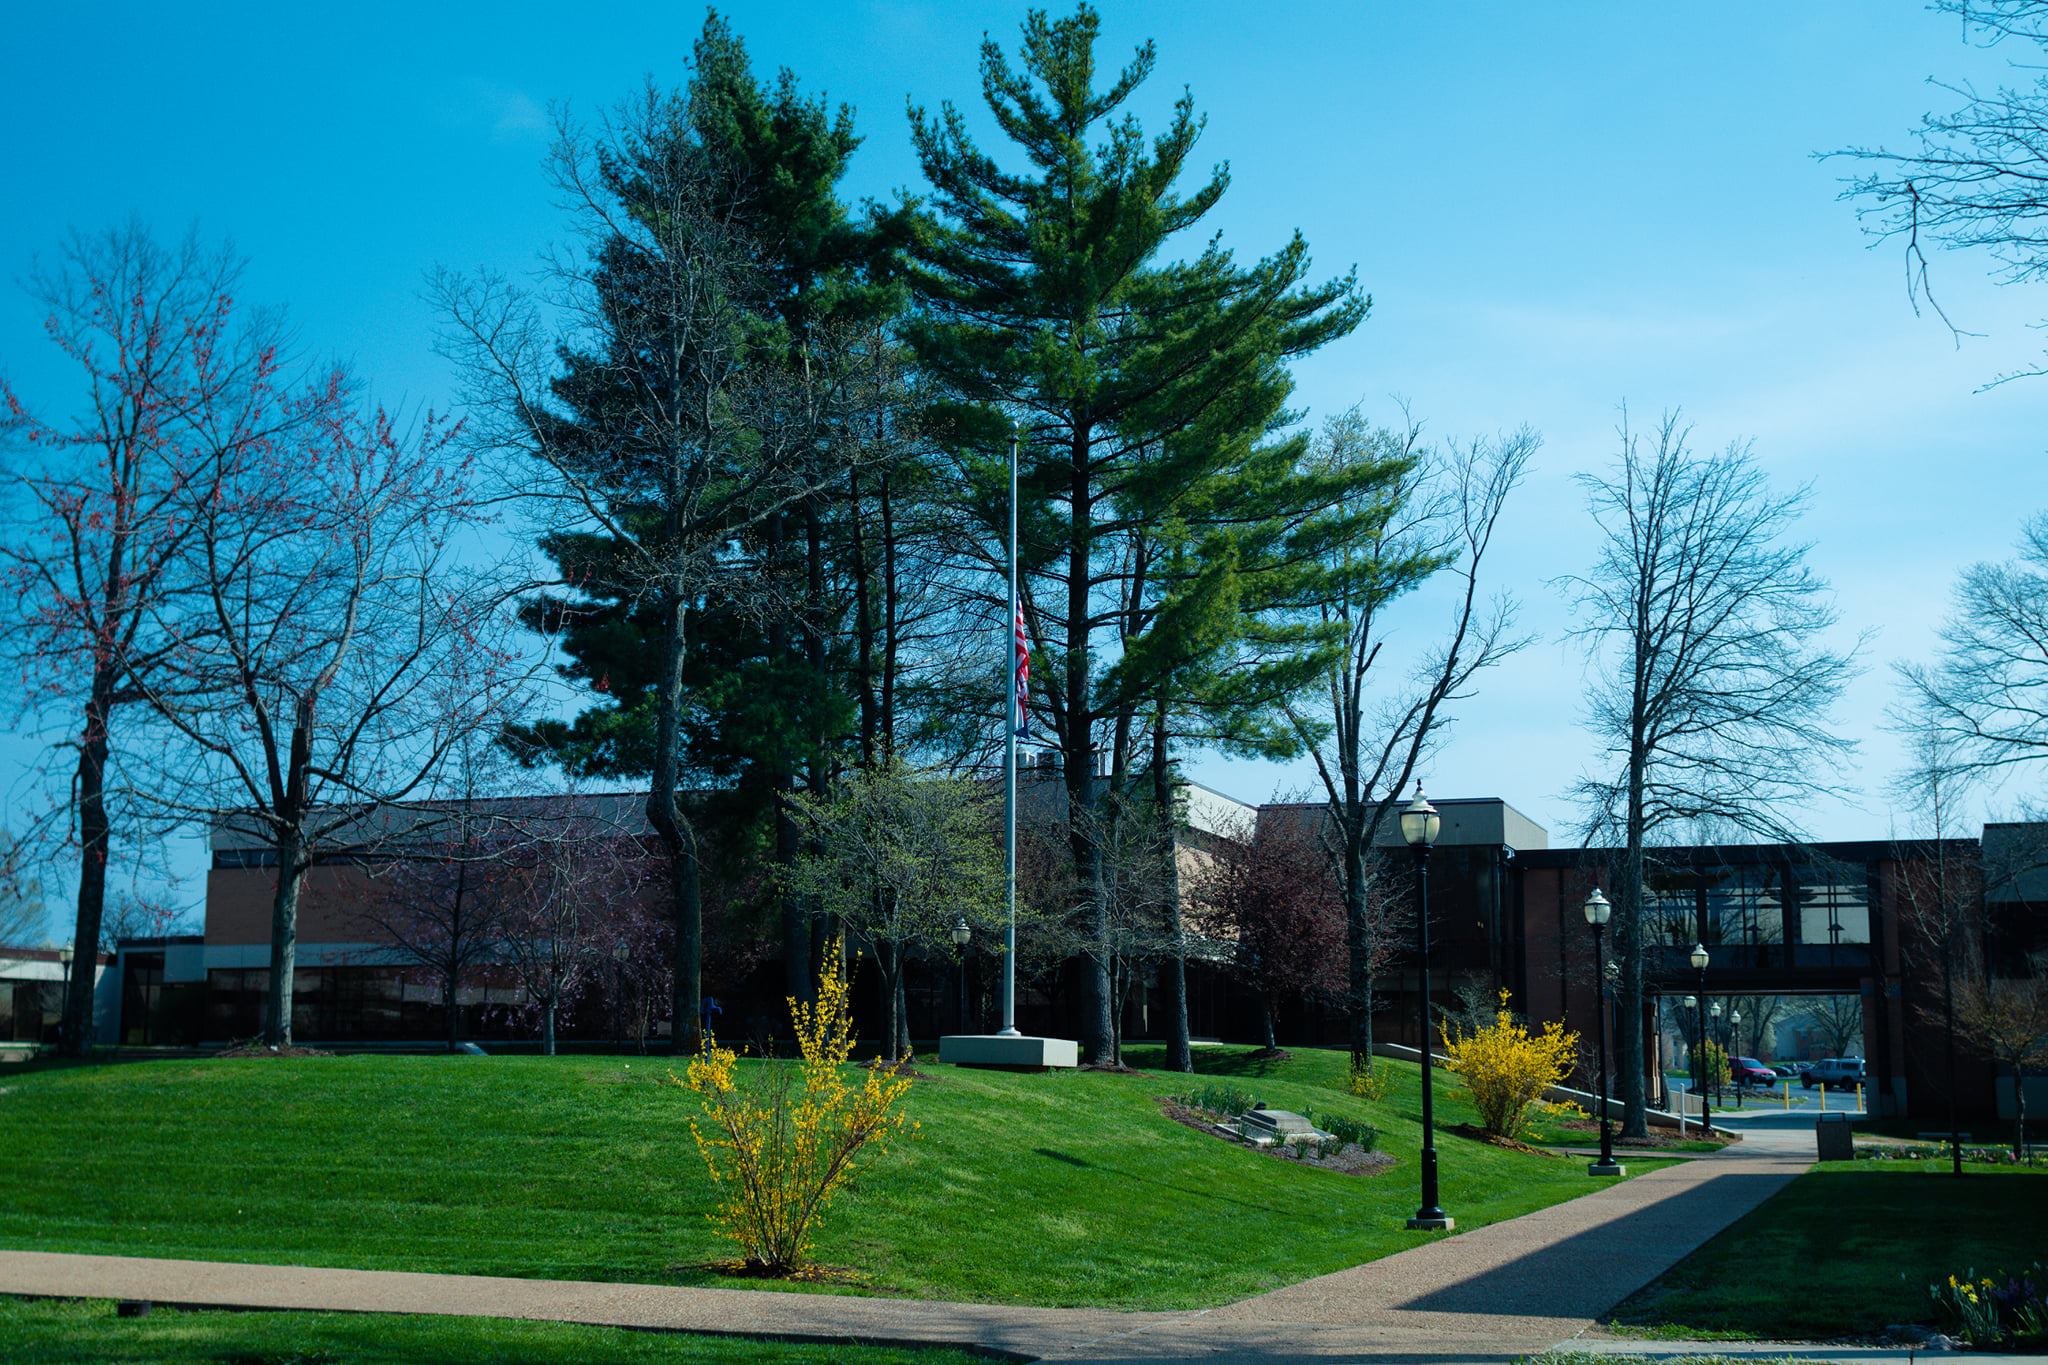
(1750, 1071)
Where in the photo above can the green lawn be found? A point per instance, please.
(52, 1330)
(1848, 1249)
(1061, 1189)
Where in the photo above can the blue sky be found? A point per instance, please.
(1557, 208)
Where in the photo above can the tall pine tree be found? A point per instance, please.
(689, 420)
(1052, 300)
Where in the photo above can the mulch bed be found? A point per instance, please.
(1659, 1137)
(808, 1273)
(1114, 1068)
(1269, 1054)
(1478, 1134)
(264, 1050)
(1351, 1159)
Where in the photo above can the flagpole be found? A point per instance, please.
(1011, 710)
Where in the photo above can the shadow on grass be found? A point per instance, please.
(1050, 1154)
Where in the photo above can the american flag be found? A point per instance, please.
(1020, 715)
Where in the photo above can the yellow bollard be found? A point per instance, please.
(1788, 1094)
(1859, 1097)
(1823, 1097)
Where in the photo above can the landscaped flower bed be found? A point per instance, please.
(2008, 1310)
(1923, 1151)
(1351, 1147)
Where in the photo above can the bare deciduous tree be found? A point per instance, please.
(1262, 889)
(1978, 177)
(1368, 728)
(564, 899)
(1938, 895)
(331, 652)
(1714, 675)
(1839, 1020)
(2006, 1018)
(21, 895)
(1985, 701)
(174, 372)
(438, 900)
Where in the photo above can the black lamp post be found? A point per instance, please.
(1598, 910)
(1419, 826)
(1735, 1047)
(1699, 964)
(961, 935)
(1720, 1041)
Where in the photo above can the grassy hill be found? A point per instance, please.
(1059, 1189)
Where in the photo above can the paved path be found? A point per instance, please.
(1491, 1294)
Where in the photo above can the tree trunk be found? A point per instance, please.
(889, 958)
(678, 839)
(1266, 1022)
(1179, 1053)
(1096, 1029)
(1121, 975)
(863, 625)
(284, 941)
(290, 814)
(688, 1027)
(1628, 945)
(902, 1011)
(796, 922)
(890, 607)
(1358, 937)
(94, 839)
(547, 1029)
(2019, 1112)
(452, 977)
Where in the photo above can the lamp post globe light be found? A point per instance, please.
(962, 934)
(1598, 911)
(1699, 964)
(1419, 825)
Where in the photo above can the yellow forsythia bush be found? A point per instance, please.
(1506, 1068)
(1713, 1064)
(782, 1138)
(1368, 1082)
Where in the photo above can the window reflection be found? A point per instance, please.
(1834, 916)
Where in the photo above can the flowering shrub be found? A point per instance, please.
(1506, 1068)
(784, 1138)
(1713, 1061)
(1369, 1082)
(1565, 1111)
(1996, 1310)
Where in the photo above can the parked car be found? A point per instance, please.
(1784, 1072)
(1750, 1071)
(1834, 1071)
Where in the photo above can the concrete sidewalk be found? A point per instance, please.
(1491, 1294)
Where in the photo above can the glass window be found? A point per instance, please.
(1674, 912)
(1835, 911)
(1745, 912)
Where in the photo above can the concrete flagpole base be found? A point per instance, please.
(1009, 1050)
